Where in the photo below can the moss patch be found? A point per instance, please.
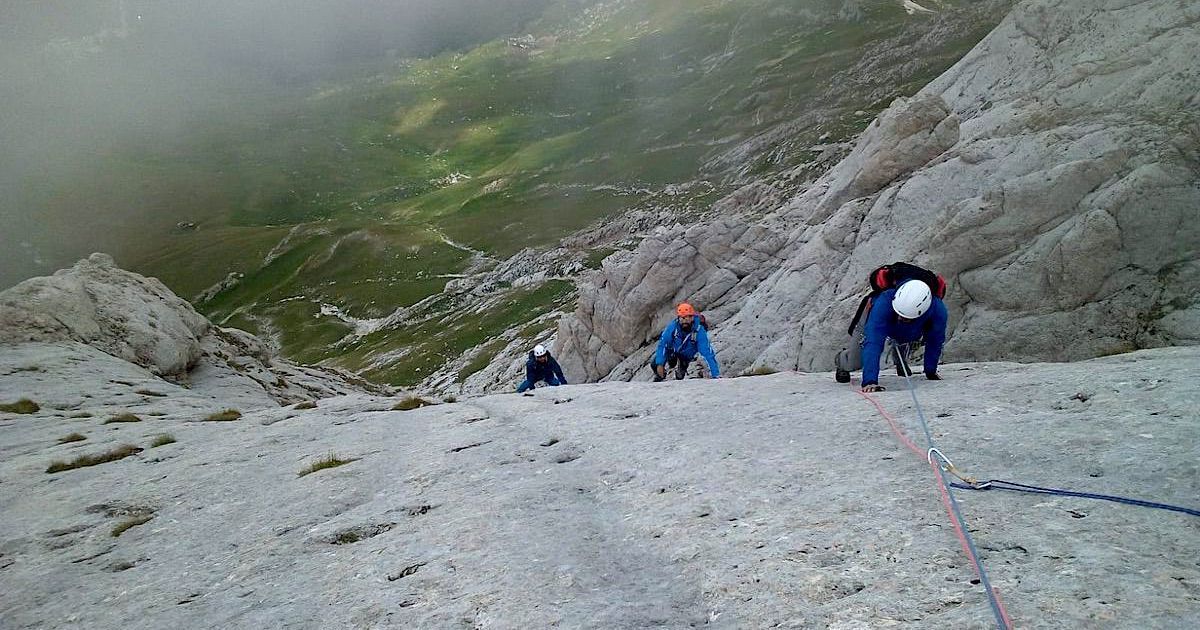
(761, 370)
(596, 257)
(23, 406)
(410, 403)
(329, 461)
(120, 452)
(128, 524)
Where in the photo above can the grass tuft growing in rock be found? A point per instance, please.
(308, 404)
(120, 452)
(329, 461)
(129, 523)
(410, 403)
(347, 537)
(23, 406)
(162, 439)
(124, 417)
(72, 437)
(761, 370)
(224, 416)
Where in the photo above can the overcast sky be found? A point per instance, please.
(77, 76)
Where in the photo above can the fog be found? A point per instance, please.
(81, 78)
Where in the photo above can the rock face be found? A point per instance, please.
(96, 307)
(1051, 176)
(96, 303)
(712, 264)
(775, 501)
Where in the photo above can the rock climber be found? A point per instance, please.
(540, 366)
(679, 343)
(905, 316)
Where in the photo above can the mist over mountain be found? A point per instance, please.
(284, 35)
(82, 79)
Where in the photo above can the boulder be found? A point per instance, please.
(97, 306)
(129, 316)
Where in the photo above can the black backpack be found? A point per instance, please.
(892, 276)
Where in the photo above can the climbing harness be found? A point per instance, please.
(941, 466)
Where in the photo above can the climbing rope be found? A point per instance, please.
(941, 467)
(1000, 484)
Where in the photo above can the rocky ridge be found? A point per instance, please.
(97, 312)
(1051, 176)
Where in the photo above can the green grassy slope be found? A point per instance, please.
(513, 144)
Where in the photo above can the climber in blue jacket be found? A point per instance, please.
(907, 314)
(541, 367)
(679, 343)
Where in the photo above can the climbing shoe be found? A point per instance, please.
(842, 376)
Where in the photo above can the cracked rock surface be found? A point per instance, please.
(771, 501)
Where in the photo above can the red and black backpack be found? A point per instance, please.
(892, 276)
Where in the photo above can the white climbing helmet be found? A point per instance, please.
(540, 351)
(912, 299)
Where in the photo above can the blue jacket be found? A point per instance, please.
(883, 323)
(686, 346)
(536, 371)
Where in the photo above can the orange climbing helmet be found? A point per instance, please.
(685, 310)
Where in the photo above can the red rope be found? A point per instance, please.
(941, 484)
(918, 451)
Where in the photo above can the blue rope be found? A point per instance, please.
(1001, 622)
(999, 484)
